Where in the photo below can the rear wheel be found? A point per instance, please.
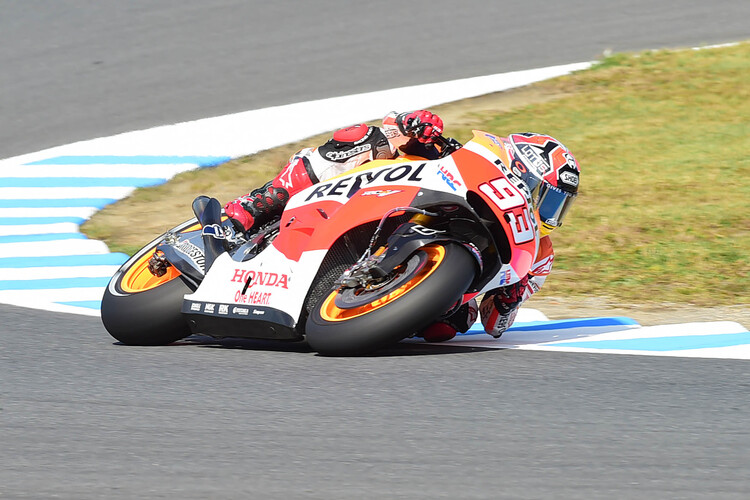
(139, 308)
(360, 320)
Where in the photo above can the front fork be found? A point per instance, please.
(377, 265)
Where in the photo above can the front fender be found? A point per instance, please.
(409, 238)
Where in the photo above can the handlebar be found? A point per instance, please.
(447, 145)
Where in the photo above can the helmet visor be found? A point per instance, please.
(553, 204)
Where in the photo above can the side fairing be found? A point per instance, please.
(275, 283)
(259, 288)
(484, 164)
(319, 215)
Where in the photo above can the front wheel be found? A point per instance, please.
(356, 321)
(139, 308)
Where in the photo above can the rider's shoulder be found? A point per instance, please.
(302, 153)
(545, 247)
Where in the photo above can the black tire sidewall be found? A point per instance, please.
(150, 317)
(400, 318)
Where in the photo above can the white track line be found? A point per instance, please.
(225, 136)
(233, 136)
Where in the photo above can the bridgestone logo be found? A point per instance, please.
(193, 252)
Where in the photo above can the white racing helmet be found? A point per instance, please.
(550, 172)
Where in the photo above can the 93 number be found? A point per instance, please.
(507, 196)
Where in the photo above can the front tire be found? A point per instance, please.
(352, 322)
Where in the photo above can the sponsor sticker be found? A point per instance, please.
(448, 178)
(569, 159)
(261, 279)
(209, 308)
(475, 251)
(242, 311)
(504, 277)
(342, 155)
(347, 186)
(391, 132)
(214, 231)
(194, 253)
(494, 139)
(223, 309)
(569, 178)
(425, 231)
(255, 298)
(528, 152)
(544, 266)
(195, 306)
(381, 192)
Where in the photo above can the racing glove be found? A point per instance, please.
(500, 307)
(257, 207)
(421, 125)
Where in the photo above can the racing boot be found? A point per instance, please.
(258, 207)
(446, 329)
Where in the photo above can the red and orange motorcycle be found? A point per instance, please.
(353, 264)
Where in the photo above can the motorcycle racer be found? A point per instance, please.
(551, 174)
(409, 133)
(548, 169)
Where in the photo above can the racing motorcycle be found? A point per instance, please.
(353, 264)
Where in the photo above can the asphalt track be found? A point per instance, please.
(85, 418)
(76, 70)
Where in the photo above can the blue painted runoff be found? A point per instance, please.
(53, 283)
(203, 161)
(57, 203)
(535, 326)
(106, 259)
(88, 304)
(660, 344)
(30, 238)
(26, 221)
(46, 182)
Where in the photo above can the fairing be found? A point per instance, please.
(272, 287)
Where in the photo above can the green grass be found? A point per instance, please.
(664, 144)
(663, 140)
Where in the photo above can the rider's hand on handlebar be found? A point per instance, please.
(421, 125)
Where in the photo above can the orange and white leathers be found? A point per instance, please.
(496, 322)
(363, 143)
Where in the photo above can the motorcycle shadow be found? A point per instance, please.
(400, 349)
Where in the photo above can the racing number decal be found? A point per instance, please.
(503, 193)
(520, 225)
(506, 196)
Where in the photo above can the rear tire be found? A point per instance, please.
(151, 317)
(435, 278)
(140, 309)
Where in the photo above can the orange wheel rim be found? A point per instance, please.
(139, 279)
(331, 312)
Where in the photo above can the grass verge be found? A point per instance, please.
(664, 143)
